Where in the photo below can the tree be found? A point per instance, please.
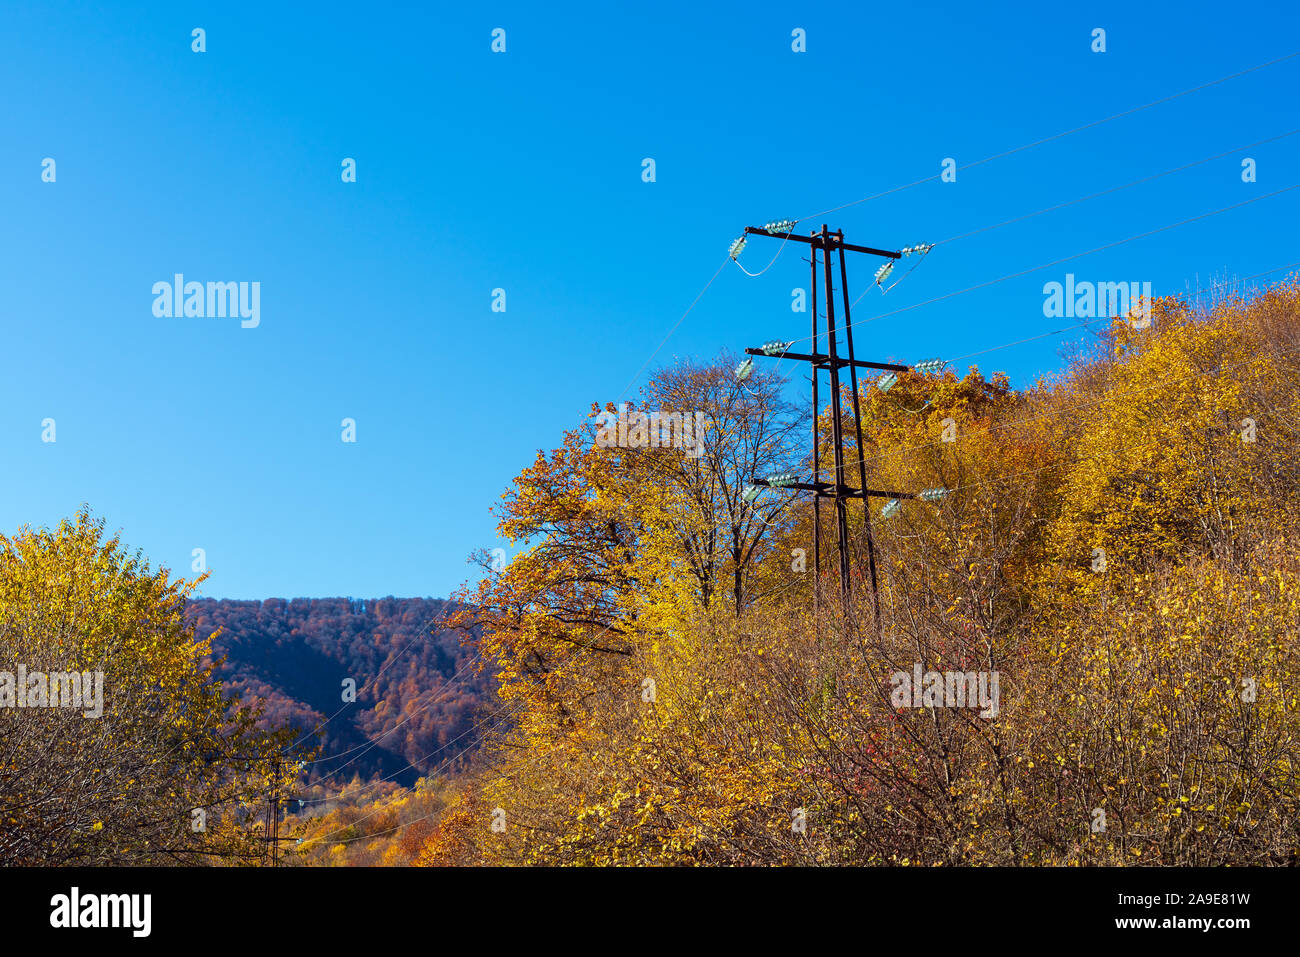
(170, 769)
(627, 543)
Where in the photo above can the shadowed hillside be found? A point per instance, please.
(417, 689)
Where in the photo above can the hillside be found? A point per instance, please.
(418, 690)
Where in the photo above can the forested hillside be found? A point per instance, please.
(417, 686)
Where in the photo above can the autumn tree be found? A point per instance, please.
(168, 769)
(622, 541)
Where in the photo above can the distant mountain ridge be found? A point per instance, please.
(418, 690)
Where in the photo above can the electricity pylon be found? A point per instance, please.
(829, 244)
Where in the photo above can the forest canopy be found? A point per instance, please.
(1080, 647)
(1113, 553)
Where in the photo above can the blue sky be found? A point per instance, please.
(522, 171)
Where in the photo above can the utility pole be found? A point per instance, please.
(829, 244)
(273, 814)
(275, 804)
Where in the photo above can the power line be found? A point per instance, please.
(1057, 262)
(391, 661)
(1093, 322)
(1075, 407)
(1089, 252)
(1063, 205)
(324, 838)
(418, 762)
(754, 275)
(504, 711)
(1116, 189)
(1055, 136)
(371, 743)
(681, 319)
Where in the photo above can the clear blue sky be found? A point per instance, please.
(522, 171)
